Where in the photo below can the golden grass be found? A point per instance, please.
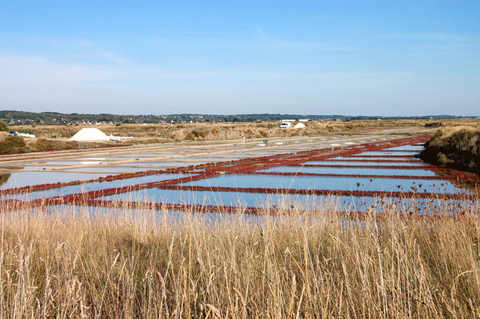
(66, 262)
(449, 131)
(198, 132)
(221, 131)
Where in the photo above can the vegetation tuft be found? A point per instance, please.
(4, 178)
(13, 144)
(457, 148)
(3, 126)
(43, 144)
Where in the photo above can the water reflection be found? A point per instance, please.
(4, 178)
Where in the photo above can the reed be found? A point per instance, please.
(85, 262)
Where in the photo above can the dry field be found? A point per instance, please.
(189, 132)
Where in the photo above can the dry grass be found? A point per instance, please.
(65, 263)
(197, 132)
(449, 131)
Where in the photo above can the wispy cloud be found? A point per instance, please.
(116, 58)
(86, 43)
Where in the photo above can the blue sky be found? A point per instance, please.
(231, 57)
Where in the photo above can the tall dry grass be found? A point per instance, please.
(66, 262)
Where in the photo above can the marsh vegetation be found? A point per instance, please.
(70, 262)
(457, 147)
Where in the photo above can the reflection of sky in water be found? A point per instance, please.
(94, 186)
(363, 163)
(382, 153)
(171, 217)
(328, 183)
(169, 163)
(370, 159)
(22, 179)
(405, 148)
(256, 181)
(107, 169)
(61, 162)
(346, 170)
(300, 202)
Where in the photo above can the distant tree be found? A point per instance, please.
(3, 126)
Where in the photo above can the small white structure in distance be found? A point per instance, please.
(285, 125)
(118, 138)
(299, 125)
(90, 134)
(26, 135)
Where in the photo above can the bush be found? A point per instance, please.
(28, 131)
(3, 126)
(4, 178)
(13, 144)
(442, 159)
(48, 145)
(434, 124)
(460, 150)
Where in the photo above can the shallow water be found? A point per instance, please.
(87, 187)
(211, 198)
(153, 217)
(159, 154)
(200, 159)
(22, 179)
(367, 163)
(300, 202)
(108, 168)
(383, 153)
(328, 183)
(371, 159)
(406, 147)
(346, 170)
(306, 202)
(61, 163)
(169, 163)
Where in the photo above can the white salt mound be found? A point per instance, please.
(90, 134)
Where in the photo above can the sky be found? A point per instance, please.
(377, 58)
